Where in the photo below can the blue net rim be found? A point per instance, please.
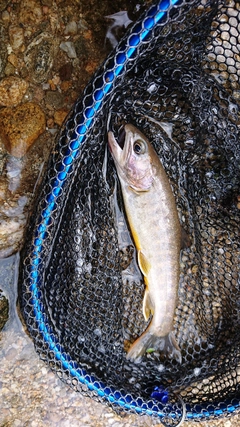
(115, 68)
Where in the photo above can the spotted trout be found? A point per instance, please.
(153, 220)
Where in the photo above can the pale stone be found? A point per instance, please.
(16, 35)
(21, 126)
(12, 90)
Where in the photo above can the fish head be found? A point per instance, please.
(134, 158)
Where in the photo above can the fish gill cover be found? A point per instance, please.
(175, 76)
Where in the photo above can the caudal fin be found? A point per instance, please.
(149, 342)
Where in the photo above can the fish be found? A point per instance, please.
(152, 216)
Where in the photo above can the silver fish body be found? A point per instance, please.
(153, 220)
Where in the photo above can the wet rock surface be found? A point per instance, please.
(20, 127)
(12, 90)
(49, 50)
(4, 308)
(39, 57)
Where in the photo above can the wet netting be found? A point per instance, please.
(175, 76)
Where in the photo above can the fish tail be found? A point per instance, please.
(150, 342)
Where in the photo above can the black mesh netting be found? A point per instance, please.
(81, 291)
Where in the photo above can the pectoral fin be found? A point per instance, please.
(147, 305)
(143, 263)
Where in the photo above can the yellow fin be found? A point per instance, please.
(143, 263)
(147, 305)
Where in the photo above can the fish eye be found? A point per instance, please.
(139, 147)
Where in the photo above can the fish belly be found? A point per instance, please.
(154, 224)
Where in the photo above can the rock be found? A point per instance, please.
(18, 179)
(13, 60)
(4, 309)
(65, 72)
(16, 36)
(54, 99)
(11, 354)
(71, 28)
(12, 223)
(30, 12)
(91, 67)
(65, 86)
(9, 69)
(5, 16)
(3, 52)
(21, 126)
(59, 116)
(69, 48)
(12, 90)
(38, 94)
(11, 234)
(3, 4)
(39, 56)
(47, 3)
(82, 48)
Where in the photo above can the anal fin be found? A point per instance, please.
(147, 305)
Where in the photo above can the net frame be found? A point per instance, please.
(77, 127)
